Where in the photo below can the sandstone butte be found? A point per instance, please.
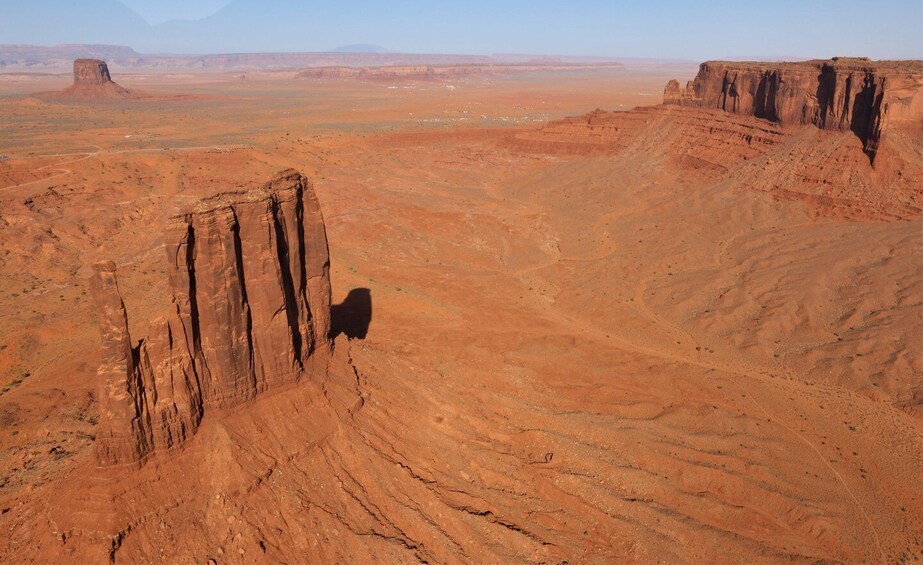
(92, 81)
(843, 93)
(249, 312)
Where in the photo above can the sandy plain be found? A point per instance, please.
(665, 350)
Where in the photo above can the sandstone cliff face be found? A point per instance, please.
(250, 311)
(846, 94)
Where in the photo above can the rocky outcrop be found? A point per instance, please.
(249, 312)
(124, 431)
(92, 81)
(847, 94)
(673, 94)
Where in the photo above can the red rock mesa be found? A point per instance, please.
(250, 311)
(847, 94)
(92, 81)
(91, 72)
(855, 126)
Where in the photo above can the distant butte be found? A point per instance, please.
(92, 81)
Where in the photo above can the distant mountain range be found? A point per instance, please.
(59, 59)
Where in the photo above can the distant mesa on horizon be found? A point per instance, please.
(92, 81)
(443, 72)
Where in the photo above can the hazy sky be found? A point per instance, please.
(159, 11)
(691, 29)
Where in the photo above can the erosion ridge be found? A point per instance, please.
(250, 311)
(846, 94)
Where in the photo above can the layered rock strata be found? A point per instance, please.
(846, 94)
(249, 312)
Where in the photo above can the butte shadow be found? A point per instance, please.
(353, 316)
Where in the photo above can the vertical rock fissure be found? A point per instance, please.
(193, 301)
(303, 271)
(198, 363)
(288, 286)
(826, 90)
(244, 300)
(866, 107)
(847, 98)
(141, 422)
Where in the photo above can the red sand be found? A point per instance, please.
(637, 337)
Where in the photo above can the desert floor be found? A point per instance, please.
(581, 357)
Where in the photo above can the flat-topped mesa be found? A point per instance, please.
(91, 71)
(847, 94)
(92, 81)
(250, 311)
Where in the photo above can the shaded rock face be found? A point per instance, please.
(250, 311)
(91, 72)
(845, 94)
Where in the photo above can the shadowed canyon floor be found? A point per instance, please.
(668, 334)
